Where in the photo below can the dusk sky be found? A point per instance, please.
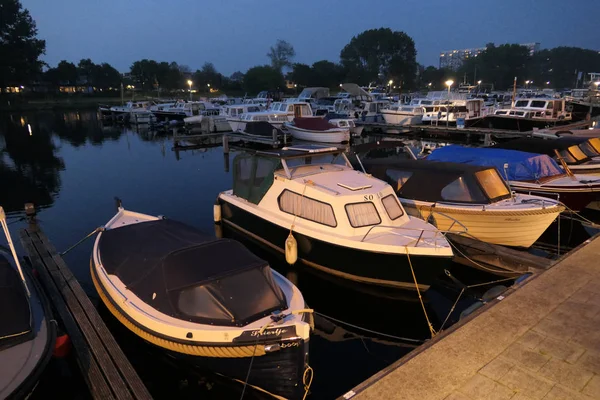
(236, 34)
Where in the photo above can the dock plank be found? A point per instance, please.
(90, 370)
(131, 380)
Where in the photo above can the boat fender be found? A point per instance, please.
(62, 347)
(291, 249)
(219, 231)
(217, 213)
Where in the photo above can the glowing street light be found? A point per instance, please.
(449, 83)
(597, 84)
(479, 82)
(189, 82)
(548, 82)
(429, 84)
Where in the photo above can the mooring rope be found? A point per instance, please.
(99, 229)
(431, 329)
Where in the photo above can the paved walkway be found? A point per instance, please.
(540, 342)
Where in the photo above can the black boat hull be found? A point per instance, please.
(169, 116)
(393, 270)
(519, 124)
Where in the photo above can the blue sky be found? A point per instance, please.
(236, 34)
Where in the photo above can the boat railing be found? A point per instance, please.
(437, 232)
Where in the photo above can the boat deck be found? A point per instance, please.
(539, 341)
(106, 371)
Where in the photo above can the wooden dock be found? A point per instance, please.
(539, 340)
(105, 369)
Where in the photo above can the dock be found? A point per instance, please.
(539, 340)
(105, 369)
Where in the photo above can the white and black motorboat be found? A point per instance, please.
(27, 332)
(317, 129)
(529, 113)
(206, 301)
(345, 222)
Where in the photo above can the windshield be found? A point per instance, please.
(335, 159)
(522, 103)
(577, 153)
(493, 185)
(593, 145)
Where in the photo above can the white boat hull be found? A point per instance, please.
(391, 118)
(517, 228)
(329, 136)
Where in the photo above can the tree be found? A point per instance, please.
(498, 65)
(104, 76)
(144, 72)
(85, 70)
(208, 75)
(327, 74)
(435, 76)
(237, 76)
(381, 52)
(302, 74)
(561, 65)
(65, 73)
(281, 55)
(20, 48)
(263, 77)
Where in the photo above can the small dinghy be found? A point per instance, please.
(317, 130)
(27, 336)
(206, 301)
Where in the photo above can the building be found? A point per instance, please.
(453, 59)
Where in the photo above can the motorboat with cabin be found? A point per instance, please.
(184, 109)
(528, 173)
(339, 121)
(132, 111)
(529, 113)
(357, 103)
(461, 196)
(578, 154)
(317, 130)
(276, 115)
(402, 114)
(312, 95)
(308, 203)
(28, 329)
(205, 301)
(220, 121)
(467, 111)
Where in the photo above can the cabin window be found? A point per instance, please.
(362, 214)
(538, 104)
(397, 178)
(550, 105)
(566, 155)
(501, 112)
(253, 176)
(493, 185)
(521, 103)
(459, 191)
(392, 207)
(307, 208)
(577, 153)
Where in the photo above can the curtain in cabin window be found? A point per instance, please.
(307, 208)
(362, 214)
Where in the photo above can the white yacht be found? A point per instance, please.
(276, 115)
(470, 111)
(336, 219)
(182, 109)
(401, 114)
(219, 121)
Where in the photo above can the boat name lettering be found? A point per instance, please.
(271, 332)
(287, 345)
(368, 197)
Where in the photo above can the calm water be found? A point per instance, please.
(72, 167)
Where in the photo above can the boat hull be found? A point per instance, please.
(392, 270)
(331, 136)
(289, 361)
(575, 198)
(507, 228)
(391, 118)
(169, 116)
(520, 124)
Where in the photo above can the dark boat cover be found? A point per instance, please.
(438, 176)
(521, 166)
(313, 124)
(542, 146)
(188, 275)
(15, 313)
(261, 128)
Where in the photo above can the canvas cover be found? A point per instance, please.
(15, 313)
(261, 128)
(188, 275)
(313, 124)
(542, 146)
(521, 166)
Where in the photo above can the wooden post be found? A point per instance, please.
(226, 160)
(275, 141)
(225, 144)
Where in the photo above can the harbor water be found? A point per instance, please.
(72, 167)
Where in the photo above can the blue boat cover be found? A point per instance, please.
(521, 166)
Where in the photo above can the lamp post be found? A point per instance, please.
(478, 86)
(208, 90)
(295, 88)
(189, 82)
(449, 83)
(390, 85)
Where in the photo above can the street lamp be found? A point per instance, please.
(189, 82)
(479, 82)
(449, 83)
(429, 84)
(597, 84)
(548, 82)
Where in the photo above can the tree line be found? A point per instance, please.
(374, 57)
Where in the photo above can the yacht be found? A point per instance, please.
(336, 220)
(529, 113)
(276, 115)
(528, 173)
(183, 109)
(317, 130)
(400, 114)
(470, 111)
(132, 111)
(208, 302)
(220, 120)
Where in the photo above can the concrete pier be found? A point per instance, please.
(541, 341)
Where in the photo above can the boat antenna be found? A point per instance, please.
(514, 94)
(508, 182)
(12, 248)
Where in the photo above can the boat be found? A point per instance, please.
(263, 129)
(312, 94)
(465, 112)
(28, 331)
(345, 223)
(529, 113)
(132, 111)
(528, 173)
(459, 196)
(183, 109)
(317, 130)
(276, 115)
(401, 114)
(579, 154)
(205, 301)
(339, 121)
(357, 103)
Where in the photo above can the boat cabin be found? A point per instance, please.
(239, 109)
(538, 108)
(446, 182)
(318, 184)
